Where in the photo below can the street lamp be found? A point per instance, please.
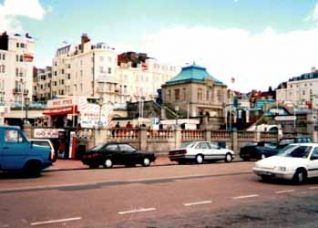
(100, 103)
(26, 103)
(176, 108)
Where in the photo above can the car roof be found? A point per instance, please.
(304, 144)
(42, 140)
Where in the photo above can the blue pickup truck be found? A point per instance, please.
(18, 154)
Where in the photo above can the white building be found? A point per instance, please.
(299, 91)
(94, 70)
(143, 81)
(16, 68)
(81, 70)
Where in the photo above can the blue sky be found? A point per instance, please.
(259, 43)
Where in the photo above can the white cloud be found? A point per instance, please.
(257, 61)
(13, 8)
(313, 15)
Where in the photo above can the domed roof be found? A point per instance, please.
(193, 73)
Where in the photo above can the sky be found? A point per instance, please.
(258, 43)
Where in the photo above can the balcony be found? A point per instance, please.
(19, 91)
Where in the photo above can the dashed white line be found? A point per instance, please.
(313, 187)
(55, 221)
(136, 211)
(247, 196)
(197, 203)
(285, 191)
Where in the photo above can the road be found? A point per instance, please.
(209, 195)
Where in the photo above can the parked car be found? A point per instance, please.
(295, 162)
(47, 143)
(110, 154)
(289, 140)
(258, 150)
(18, 154)
(199, 152)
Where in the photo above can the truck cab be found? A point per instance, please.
(17, 153)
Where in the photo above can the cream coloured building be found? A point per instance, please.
(85, 69)
(299, 91)
(16, 68)
(143, 81)
(93, 70)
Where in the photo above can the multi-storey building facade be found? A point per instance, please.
(142, 80)
(84, 69)
(96, 70)
(42, 84)
(300, 91)
(16, 68)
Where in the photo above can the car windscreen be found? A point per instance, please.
(41, 143)
(187, 144)
(295, 151)
(98, 147)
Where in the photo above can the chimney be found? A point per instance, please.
(84, 38)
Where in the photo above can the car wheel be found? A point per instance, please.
(93, 166)
(265, 178)
(300, 176)
(146, 162)
(33, 169)
(108, 163)
(199, 159)
(263, 156)
(228, 157)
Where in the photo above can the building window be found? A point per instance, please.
(169, 95)
(68, 76)
(18, 44)
(177, 94)
(109, 70)
(199, 94)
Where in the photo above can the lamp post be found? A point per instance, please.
(176, 108)
(26, 103)
(100, 103)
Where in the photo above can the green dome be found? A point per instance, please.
(193, 73)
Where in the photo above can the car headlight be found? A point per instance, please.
(281, 168)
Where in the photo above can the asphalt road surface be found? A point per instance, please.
(209, 195)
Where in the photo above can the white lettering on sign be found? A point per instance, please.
(46, 133)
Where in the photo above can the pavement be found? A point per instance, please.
(70, 164)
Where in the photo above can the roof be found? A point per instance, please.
(193, 73)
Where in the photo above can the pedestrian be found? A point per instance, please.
(129, 125)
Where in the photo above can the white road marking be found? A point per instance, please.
(137, 211)
(197, 203)
(247, 196)
(55, 221)
(285, 191)
(313, 187)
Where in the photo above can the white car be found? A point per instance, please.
(296, 162)
(45, 142)
(199, 152)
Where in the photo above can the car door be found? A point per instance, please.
(15, 149)
(212, 151)
(129, 155)
(112, 151)
(313, 163)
